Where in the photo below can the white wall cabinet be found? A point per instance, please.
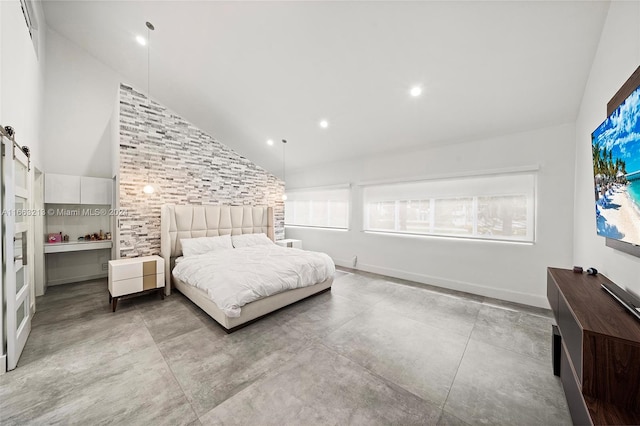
(61, 189)
(95, 190)
(66, 189)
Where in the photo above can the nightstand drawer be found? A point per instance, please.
(136, 285)
(135, 275)
(290, 243)
(132, 268)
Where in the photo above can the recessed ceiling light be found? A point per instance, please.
(416, 91)
(141, 40)
(324, 124)
(269, 142)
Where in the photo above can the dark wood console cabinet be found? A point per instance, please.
(600, 355)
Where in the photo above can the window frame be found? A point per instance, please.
(346, 188)
(530, 206)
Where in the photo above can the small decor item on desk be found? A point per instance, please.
(101, 235)
(80, 238)
(592, 271)
(577, 269)
(55, 238)
(107, 235)
(87, 237)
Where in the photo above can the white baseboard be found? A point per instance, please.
(77, 279)
(344, 263)
(3, 364)
(496, 293)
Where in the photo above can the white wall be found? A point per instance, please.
(80, 94)
(514, 272)
(22, 77)
(1, 97)
(617, 57)
(79, 98)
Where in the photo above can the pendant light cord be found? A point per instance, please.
(148, 94)
(284, 169)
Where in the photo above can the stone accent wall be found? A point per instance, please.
(186, 166)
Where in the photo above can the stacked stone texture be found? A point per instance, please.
(185, 166)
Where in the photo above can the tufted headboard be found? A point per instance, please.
(192, 221)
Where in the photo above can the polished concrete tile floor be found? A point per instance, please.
(374, 350)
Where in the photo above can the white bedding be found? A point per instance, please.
(232, 278)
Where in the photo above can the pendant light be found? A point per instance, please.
(148, 188)
(284, 170)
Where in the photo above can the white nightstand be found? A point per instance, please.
(135, 275)
(290, 243)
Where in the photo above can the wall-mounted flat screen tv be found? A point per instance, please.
(616, 170)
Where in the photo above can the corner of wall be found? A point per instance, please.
(617, 56)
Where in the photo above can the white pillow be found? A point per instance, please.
(193, 246)
(248, 240)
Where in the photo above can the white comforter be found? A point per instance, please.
(232, 278)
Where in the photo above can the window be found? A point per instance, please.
(28, 11)
(321, 208)
(486, 207)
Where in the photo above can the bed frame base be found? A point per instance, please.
(251, 311)
(238, 327)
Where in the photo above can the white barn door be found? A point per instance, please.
(16, 182)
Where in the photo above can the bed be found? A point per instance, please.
(180, 222)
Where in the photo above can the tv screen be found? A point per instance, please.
(616, 170)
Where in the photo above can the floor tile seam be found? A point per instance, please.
(84, 371)
(138, 310)
(523, 312)
(48, 309)
(63, 321)
(430, 326)
(464, 352)
(269, 372)
(262, 376)
(166, 360)
(424, 323)
(368, 308)
(63, 352)
(285, 362)
(173, 374)
(462, 298)
(447, 412)
(378, 376)
(510, 350)
(491, 304)
(435, 290)
(494, 345)
(350, 299)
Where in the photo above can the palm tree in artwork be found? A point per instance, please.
(605, 166)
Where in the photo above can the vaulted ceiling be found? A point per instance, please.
(246, 72)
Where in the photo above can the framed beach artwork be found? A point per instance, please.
(616, 170)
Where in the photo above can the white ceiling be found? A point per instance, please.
(248, 71)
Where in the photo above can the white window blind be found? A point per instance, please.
(488, 207)
(322, 208)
